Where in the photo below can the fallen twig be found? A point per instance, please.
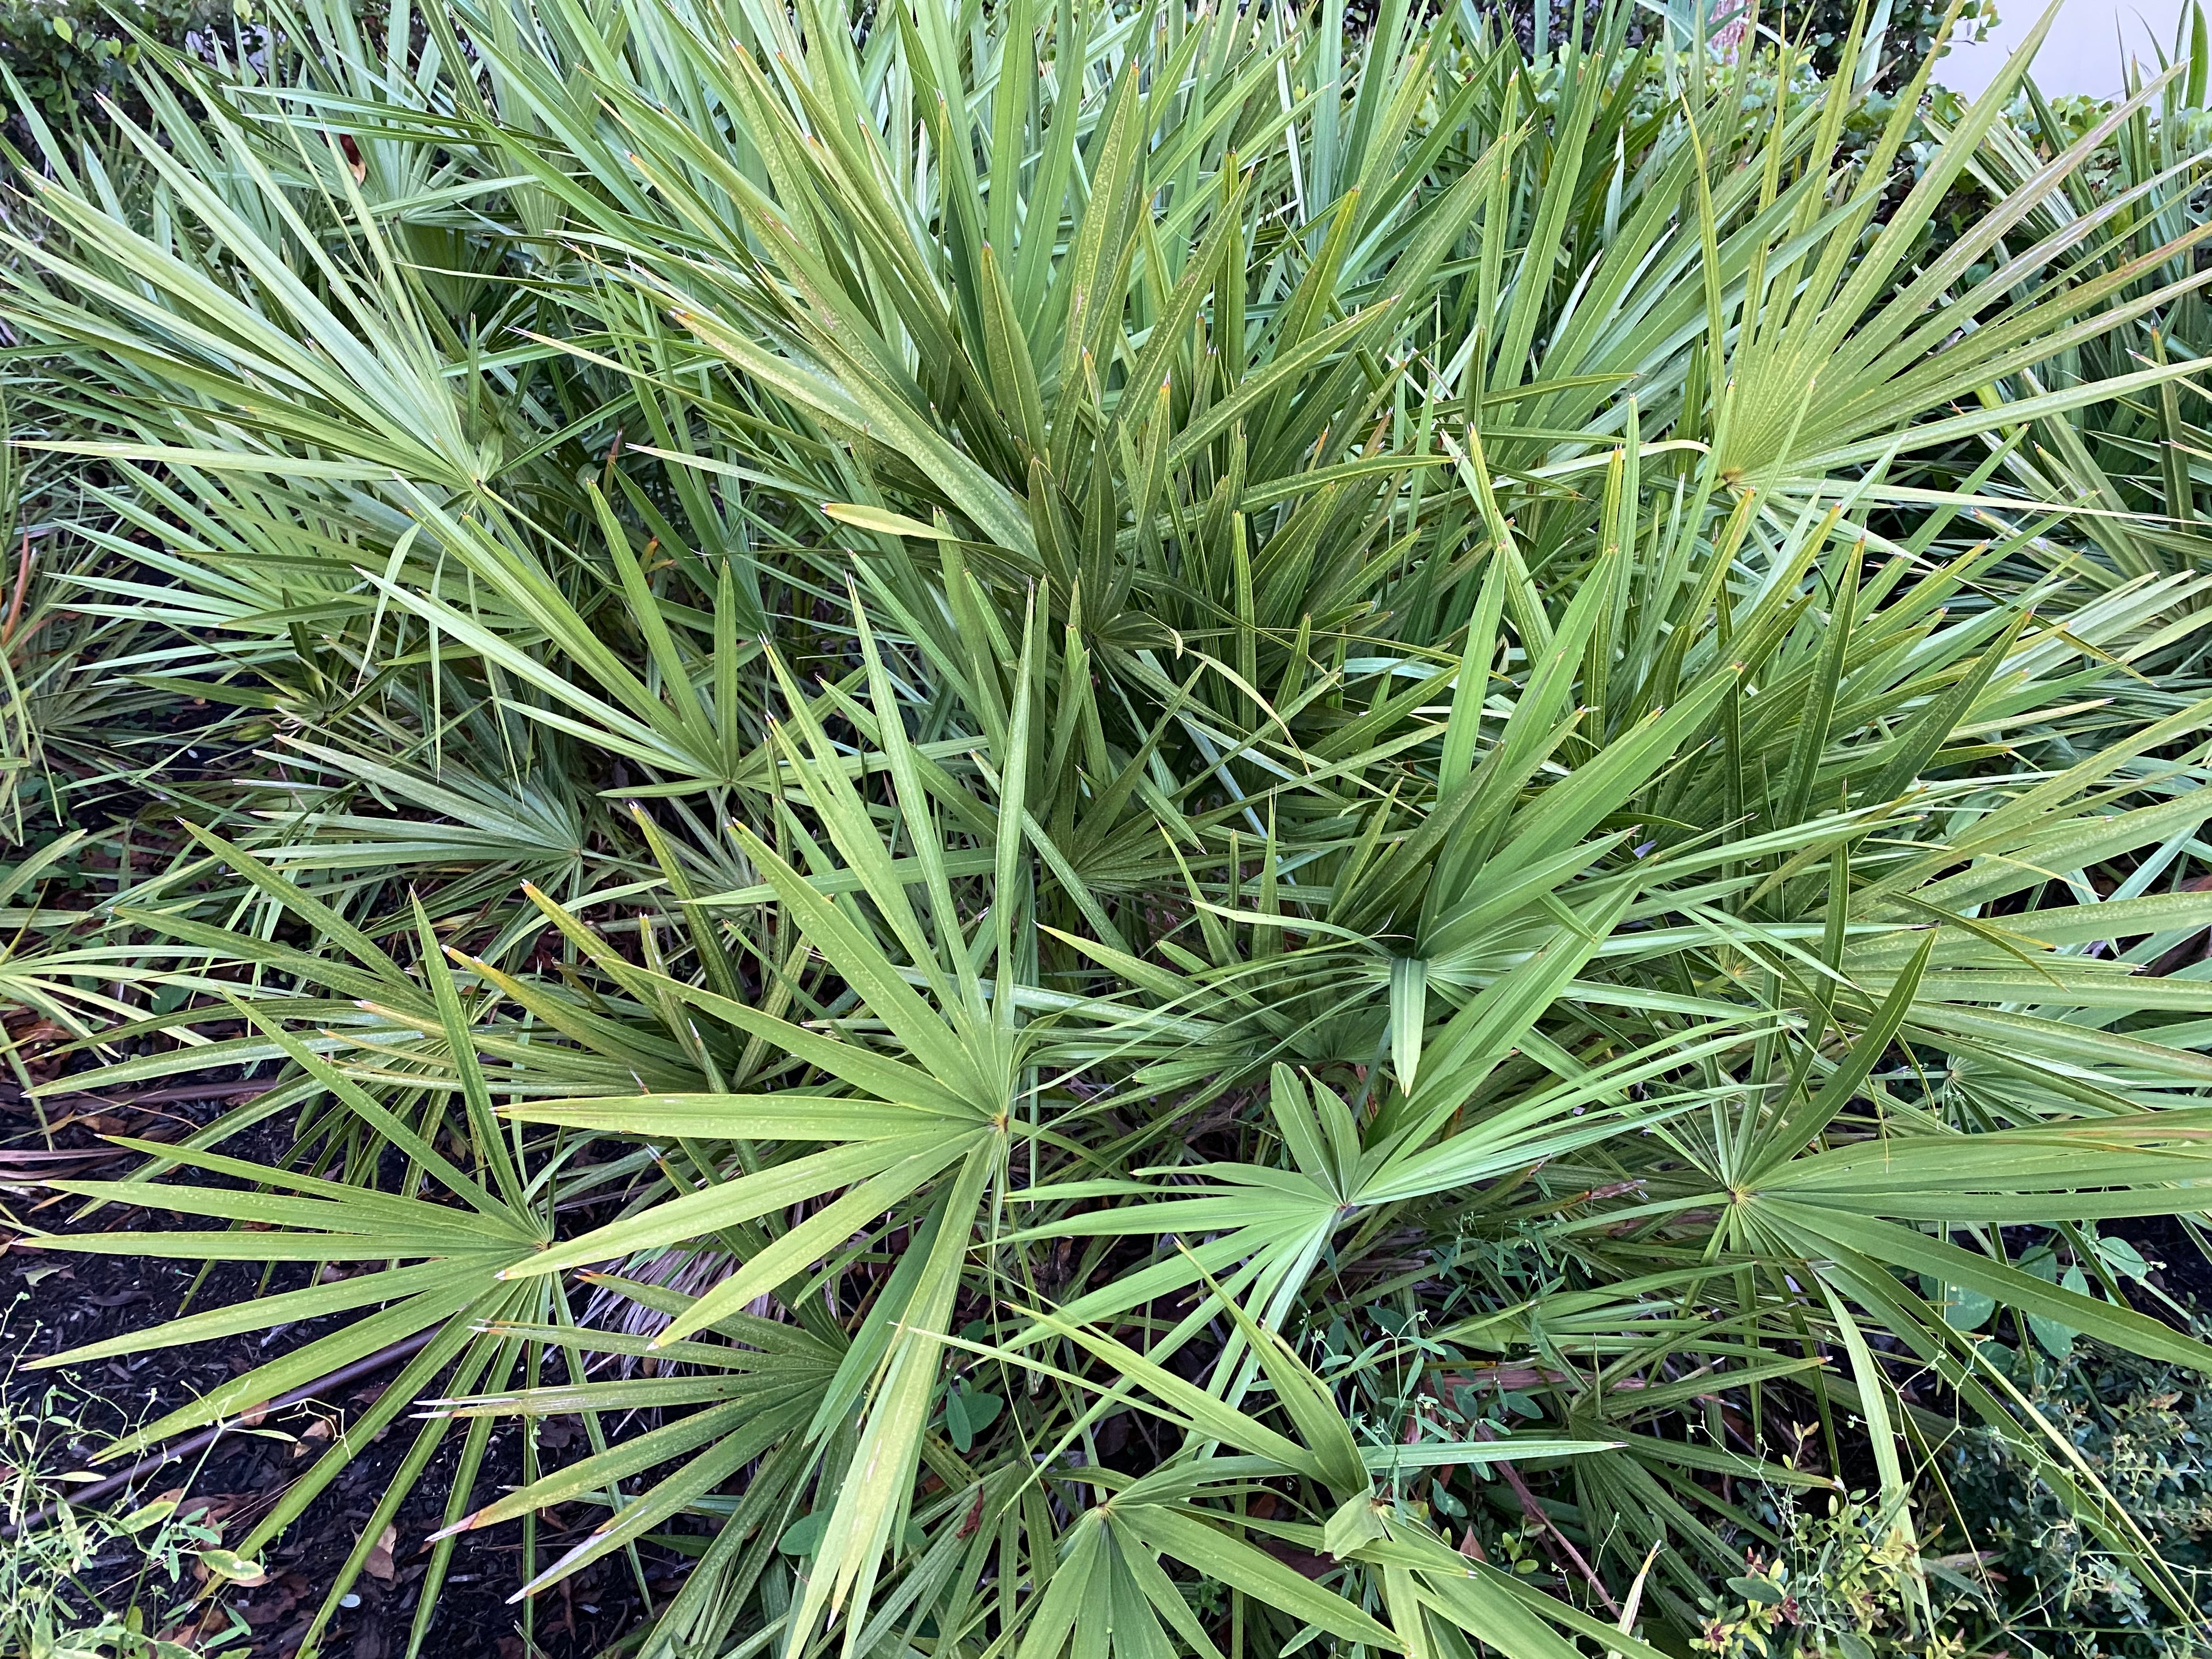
(185, 1448)
(164, 1095)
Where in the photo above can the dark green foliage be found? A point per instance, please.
(68, 54)
(2052, 1586)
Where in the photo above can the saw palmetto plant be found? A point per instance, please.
(1153, 828)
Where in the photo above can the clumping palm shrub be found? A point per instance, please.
(1150, 832)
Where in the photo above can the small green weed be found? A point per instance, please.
(83, 1583)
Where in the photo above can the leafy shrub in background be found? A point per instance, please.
(1913, 30)
(2048, 1584)
(2016, 1569)
(1266, 842)
(67, 53)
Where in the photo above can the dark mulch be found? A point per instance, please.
(54, 1301)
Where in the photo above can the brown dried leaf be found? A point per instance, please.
(379, 1566)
